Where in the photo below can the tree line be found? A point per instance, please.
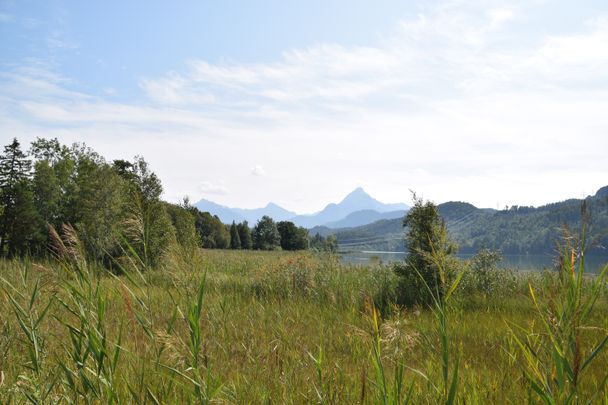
(113, 206)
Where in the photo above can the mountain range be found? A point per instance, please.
(517, 230)
(356, 209)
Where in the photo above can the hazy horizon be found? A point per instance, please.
(407, 202)
(495, 104)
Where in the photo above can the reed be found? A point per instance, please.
(279, 327)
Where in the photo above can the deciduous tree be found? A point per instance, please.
(266, 235)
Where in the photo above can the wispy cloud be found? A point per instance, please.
(454, 103)
(213, 188)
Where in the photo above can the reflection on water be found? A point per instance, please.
(517, 262)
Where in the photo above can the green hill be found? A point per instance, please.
(517, 230)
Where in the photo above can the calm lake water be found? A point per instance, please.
(518, 262)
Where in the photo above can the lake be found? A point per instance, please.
(517, 262)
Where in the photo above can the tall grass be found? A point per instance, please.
(257, 327)
(29, 313)
(555, 357)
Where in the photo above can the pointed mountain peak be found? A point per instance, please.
(357, 194)
(358, 190)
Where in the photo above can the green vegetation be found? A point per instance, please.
(292, 237)
(421, 279)
(247, 327)
(266, 235)
(322, 243)
(107, 297)
(110, 205)
(512, 230)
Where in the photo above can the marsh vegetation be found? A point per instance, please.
(283, 327)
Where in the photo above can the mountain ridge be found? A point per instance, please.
(356, 201)
(518, 230)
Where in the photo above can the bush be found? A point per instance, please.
(482, 275)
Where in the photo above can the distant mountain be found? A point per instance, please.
(518, 230)
(357, 200)
(364, 217)
(602, 192)
(271, 209)
(227, 214)
(357, 208)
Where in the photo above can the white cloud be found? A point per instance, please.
(498, 17)
(213, 188)
(258, 170)
(454, 105)
(577, 58)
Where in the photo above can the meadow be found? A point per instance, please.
(214, 326)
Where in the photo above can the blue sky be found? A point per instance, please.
(112, 44)
(492, 102)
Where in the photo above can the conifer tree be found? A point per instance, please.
(18, 220)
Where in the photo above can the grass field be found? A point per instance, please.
(277, 327)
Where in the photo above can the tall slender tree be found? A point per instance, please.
(235, 240)
(18, 216)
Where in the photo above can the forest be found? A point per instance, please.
(114, 206)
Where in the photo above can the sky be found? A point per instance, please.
(240, 102)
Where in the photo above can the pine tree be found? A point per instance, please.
(14, 167)
(17, 223)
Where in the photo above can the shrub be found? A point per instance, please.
(420, 279)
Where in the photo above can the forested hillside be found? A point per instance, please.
(516, 230)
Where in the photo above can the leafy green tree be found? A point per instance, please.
(96, 202)
(331, 243)
(320, 243)
(54, 191)
(47, 193)
(19, 219)
(266, 235)
(211, 230)
(426, 238)
(125, 169)
(148, 225)
(182, 220)
(48, 149)
(292, 237)
(245, 235)
(235, 240)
